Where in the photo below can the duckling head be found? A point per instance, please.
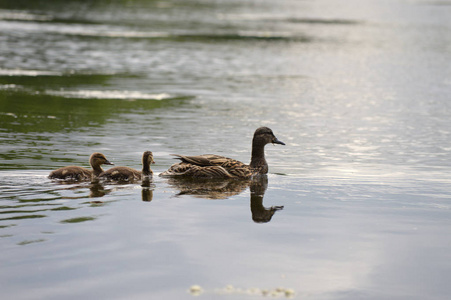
(264, 135)
(148, 158)
(99, 159)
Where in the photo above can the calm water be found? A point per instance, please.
(359, 92)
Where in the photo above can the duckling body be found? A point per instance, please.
(121, 174)
(79, 173)
(216, 166)
(71, 173)
(130, 174)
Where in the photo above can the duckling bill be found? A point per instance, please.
(216, 166)
(79, 173)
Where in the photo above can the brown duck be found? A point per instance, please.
(129, 174)
(80, 173)
(216, 166)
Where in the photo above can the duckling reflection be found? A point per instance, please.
(97, 190)
(147, 189)
(225, 188)
(261, 214)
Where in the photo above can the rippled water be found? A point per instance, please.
(356, 205)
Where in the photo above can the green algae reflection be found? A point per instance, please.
(78, 220)
(27, 242)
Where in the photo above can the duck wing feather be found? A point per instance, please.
(203, 160)
(209, 165)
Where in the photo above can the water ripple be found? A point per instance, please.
(98, 94)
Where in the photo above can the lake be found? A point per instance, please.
(356, 205)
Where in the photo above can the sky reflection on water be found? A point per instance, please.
(337, 230)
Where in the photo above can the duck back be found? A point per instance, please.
(208, 165)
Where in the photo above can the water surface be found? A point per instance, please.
(358, 91)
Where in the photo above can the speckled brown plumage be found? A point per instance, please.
(79, 173)
(216, 166)
(129, 174)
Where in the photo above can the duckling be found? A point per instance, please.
(129, 174)
(216, 166)
(80, 173)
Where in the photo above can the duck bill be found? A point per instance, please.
(276, 141)
(108, 163)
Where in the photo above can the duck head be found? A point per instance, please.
(264, 135)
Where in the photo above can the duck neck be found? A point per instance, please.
(258, 161)
(96, 170)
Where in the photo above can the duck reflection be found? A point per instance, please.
(212, 188)
(261, 214)
(208, 188)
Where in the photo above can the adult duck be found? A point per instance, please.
(79, 173)
(129, 174)
(216, 166)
